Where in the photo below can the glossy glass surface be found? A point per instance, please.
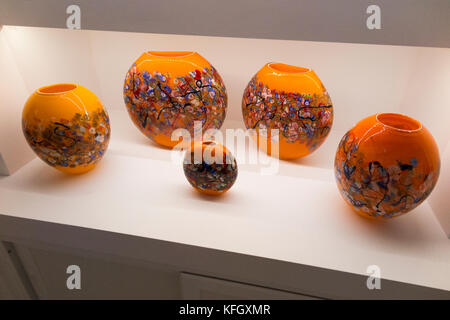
(66, 126)
(386, 165)
(291, 100)
(210, 168)
(168, 90)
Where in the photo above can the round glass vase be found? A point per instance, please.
(288, 110)
(67, 126)
(169, 90)
(386, 165)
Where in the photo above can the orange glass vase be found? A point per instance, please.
(210, 167)
(166, 90)
(289, 109)
(386, 165)
(66, 126)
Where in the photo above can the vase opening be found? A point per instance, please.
(286, 68)
(57, 88)
(399, 122)
(171, 54)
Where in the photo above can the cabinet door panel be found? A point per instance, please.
(101, 278)
(200, 287)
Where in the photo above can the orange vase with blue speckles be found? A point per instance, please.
(288, 110)
(169, 90)
(67, 126)
(386, 165)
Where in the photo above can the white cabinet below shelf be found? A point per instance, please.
(196, 287)
(45, 270)
(101, 278)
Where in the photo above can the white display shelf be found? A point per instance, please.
(296, 216)
(290, 231)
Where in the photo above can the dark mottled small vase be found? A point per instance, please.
(386, 165)
(210, 168)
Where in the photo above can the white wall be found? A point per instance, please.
(427, 94)
(362, 79)
(14, 151)
(439, 200)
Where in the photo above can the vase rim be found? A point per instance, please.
(287, 68)
(57, 89)
(399, 122)
(171, 54)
